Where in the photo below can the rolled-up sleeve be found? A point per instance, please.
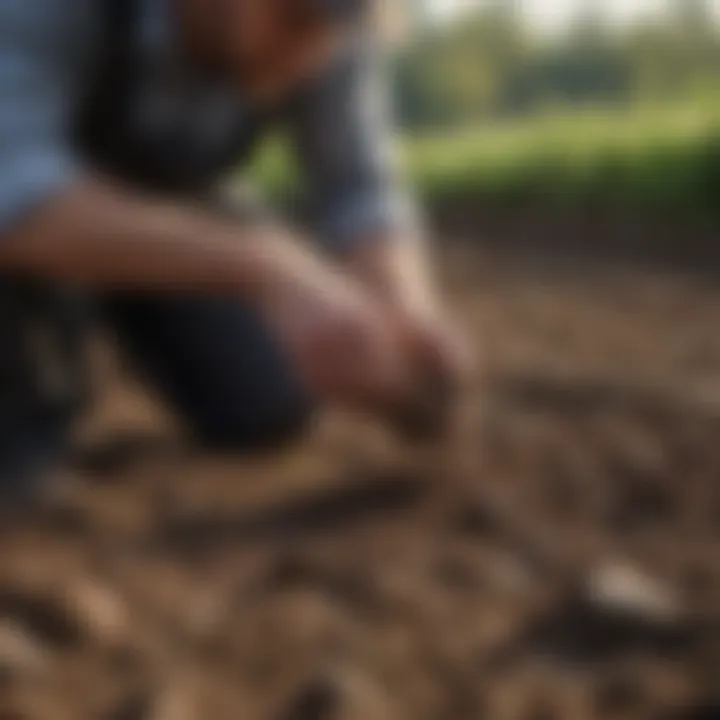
(348, 157)
(37, 93)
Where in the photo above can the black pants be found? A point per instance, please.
(210, 359)
(215, 364)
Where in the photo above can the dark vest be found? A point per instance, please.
(43, 378)
(104, 132)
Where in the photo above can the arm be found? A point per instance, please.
(366, 216)
(94, 233)
(343, 136)
(364, 211)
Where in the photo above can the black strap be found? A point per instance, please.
(107, 136)
(98, 120)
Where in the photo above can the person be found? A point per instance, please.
(120, 121)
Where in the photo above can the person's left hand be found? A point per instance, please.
(441, 358)
(435, 341)
(438, 352)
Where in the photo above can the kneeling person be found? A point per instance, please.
(120, 118)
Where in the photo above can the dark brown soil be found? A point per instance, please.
(560, 559)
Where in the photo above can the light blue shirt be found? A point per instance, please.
(49, 49)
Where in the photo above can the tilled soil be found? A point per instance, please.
(558, 559)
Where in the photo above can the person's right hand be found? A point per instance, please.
(344, 350)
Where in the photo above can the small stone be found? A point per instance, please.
(175, 703)
(99, 613)
(625, 590)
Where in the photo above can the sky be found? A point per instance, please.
(554, 14)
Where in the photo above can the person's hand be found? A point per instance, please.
(441, 363)
(439, 357)
(431, 333)
(343, 348)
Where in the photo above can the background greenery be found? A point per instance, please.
(623, 115)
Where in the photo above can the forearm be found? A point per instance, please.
(395, 265)
(98, 235)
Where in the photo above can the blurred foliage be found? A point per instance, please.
(662, 158)
(659, 157)
(489, 64)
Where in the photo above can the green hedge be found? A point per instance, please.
(651, 158)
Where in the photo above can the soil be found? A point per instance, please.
(558, 558)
